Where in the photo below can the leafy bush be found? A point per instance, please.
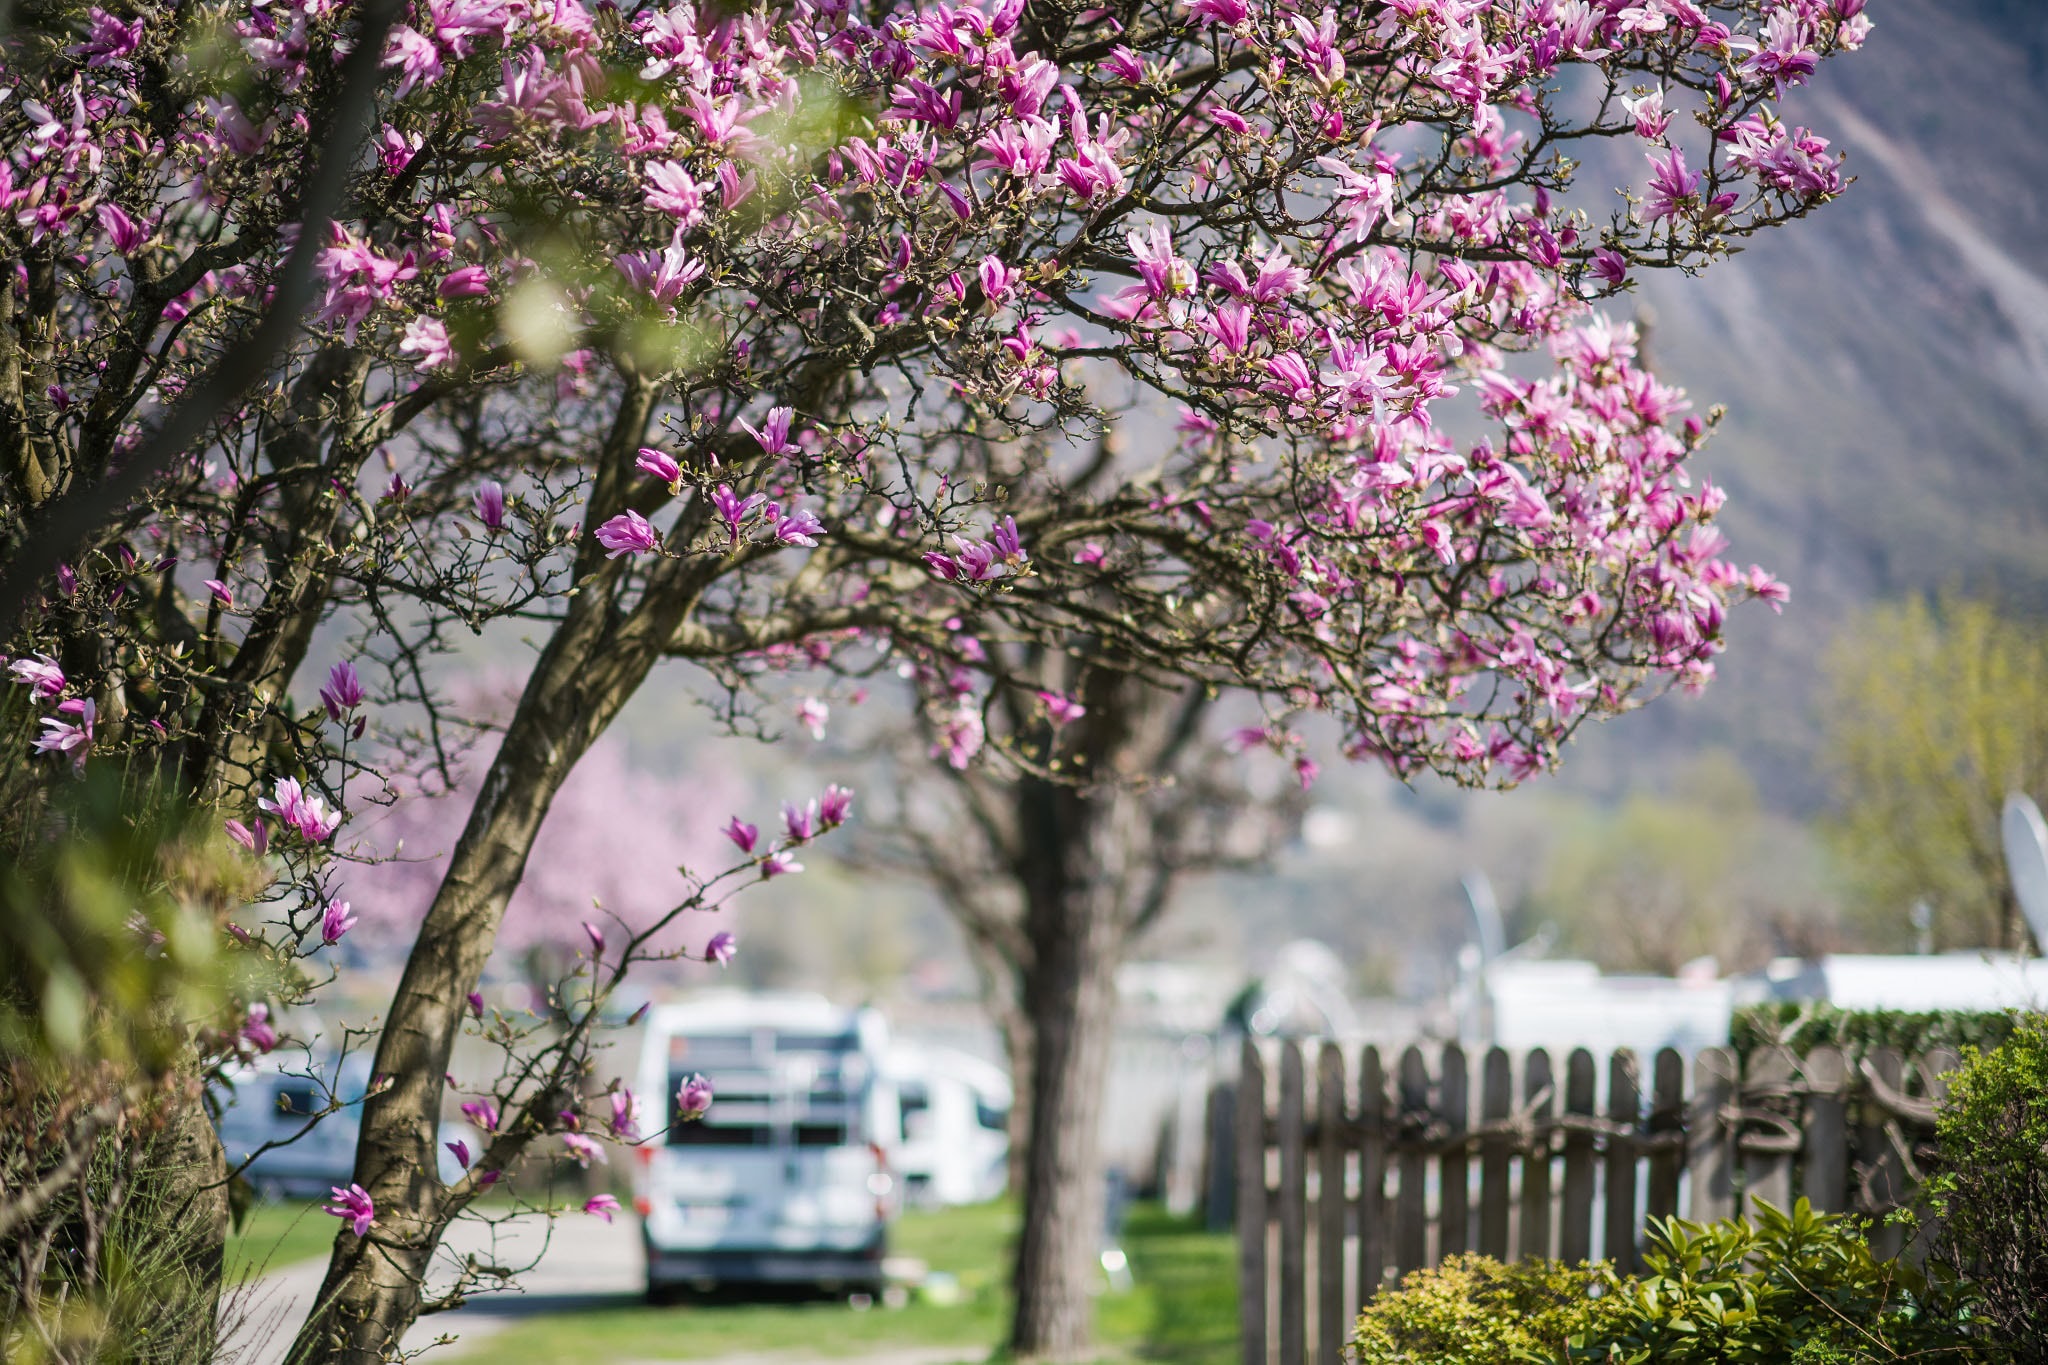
(1805, 1025)
(1473, 1310)
(1992, 1191)
(1787, 1287)
(1795, 1288)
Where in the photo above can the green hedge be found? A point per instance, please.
(1804, 1025)
(1796, 1288)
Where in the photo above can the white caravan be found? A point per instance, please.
(785, 1180)
(955, 1143)
(273, 1100)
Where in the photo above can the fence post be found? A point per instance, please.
(1411, 1211)
(1293, 1210)
(1539, 1101)
(1251, 1206)
(1934, 1069)
(1454, 1189)
(1624, 1107)
(1219, 1188)
(1332, 1312)
(1707, 1144)
(1880, 1172)
(1575, 1231)
(1372, 1175)
(1496, 1152)
(1824, 1173)
(1768, 1175)
(1667, 1116)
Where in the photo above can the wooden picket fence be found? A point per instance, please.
(1348, 1175)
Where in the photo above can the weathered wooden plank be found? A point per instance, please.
(1496, 1155)
(1372, 1175)
(1709, 1150)
(1667, 1116)
(1883, 1175)
(1454, 1198)
(1293, 1306)
(1767, 1176)
(1333, 1302)
(1411, 1210)
(1624, 1109)
(1539, 1100)
(1575, 1220)
(1824, 1145)
(1934, 1072)
(1251, 1206)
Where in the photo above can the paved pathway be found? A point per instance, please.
(582, 1263)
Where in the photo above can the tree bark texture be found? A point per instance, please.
(1075, 933)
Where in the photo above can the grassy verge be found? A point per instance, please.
(1182, 1306)
(274, 1236)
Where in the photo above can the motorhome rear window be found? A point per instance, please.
(701, 1134)
(817, 1042)
(821, 1135)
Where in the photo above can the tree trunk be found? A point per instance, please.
(1016, 1033)
(1069, 999)
(592, 665)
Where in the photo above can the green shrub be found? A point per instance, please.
(1795, 1288)
(1787, 1287)
(1803, 1025)
(1991, 1193)
(1473, 1310)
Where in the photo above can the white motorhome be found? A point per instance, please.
(274, 1099)
(786, 1179)
(954, 1146)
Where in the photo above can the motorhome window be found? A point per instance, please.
(913, 1100)
(817, 1042)
(821, 1135)
(300, 1100)
(701, 1134)
(989, 1116)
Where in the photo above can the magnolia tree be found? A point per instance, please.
(775, 339)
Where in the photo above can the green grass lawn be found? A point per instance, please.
(1183, 1306)
(274, 1236)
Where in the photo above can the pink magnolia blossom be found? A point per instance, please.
(460, 1150)
(813, 715)
(628, 533)
(742, 834)
(74, 736)
(661, 466)
(835, 806)
(774, 432)
(721, 948)
(622, 1122)
(693, 1098)
(490, 505)
(300, 810)
(353, 1206)
(1062, 709)
(482, 1113)
(254, 836)
(40, 673)
(601, 1206)
(343, 691)
(335, 921)
(584, 1149)
(256, 1028)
